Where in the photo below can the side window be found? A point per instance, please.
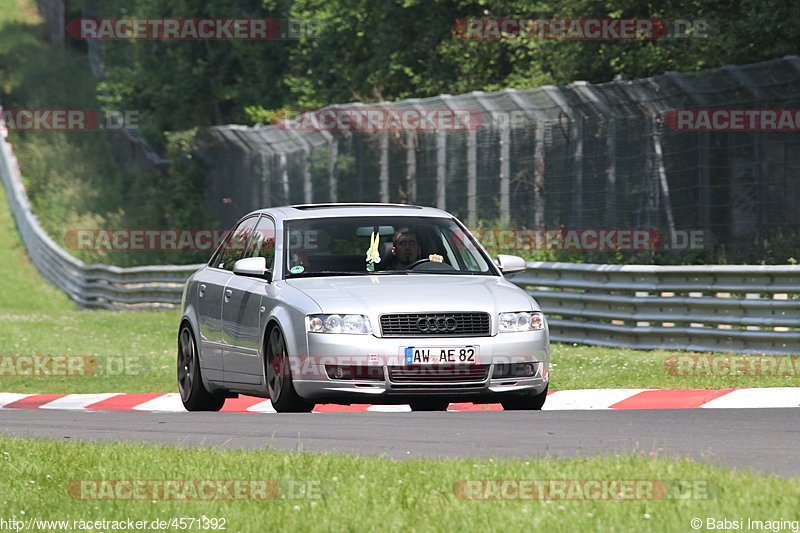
(263, 242)
(235, 245)
(460, 246)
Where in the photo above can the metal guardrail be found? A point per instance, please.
(745, 309)
(100, 286)
(742, 309)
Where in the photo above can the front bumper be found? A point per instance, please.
(391, 383)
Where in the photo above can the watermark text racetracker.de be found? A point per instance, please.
(377, 119)
(699, 365)
(607, 490)
(148, 239)
(196, 489)
(192, 29)
(369, 119)
(732, 120)
(493, 239)
(592, 239)
(44, 366)
(452, 362)
(584, 29)
(40, 119)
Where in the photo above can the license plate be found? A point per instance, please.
(441, 354)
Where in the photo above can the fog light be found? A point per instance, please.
(501, 370)
(514, 370)
(364, 372)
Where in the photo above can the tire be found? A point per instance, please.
(428, 404)
(529, 402)
(194, 395)
(280, 386)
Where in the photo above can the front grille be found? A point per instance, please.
(438, 373)
(436, 325)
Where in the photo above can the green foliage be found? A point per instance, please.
(366, 50)
(72, 179)
(371, 50)
(184, 84)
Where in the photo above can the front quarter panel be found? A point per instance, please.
(287, 307)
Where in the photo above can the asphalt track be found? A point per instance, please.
(764, 440)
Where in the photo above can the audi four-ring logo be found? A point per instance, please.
(437, 323)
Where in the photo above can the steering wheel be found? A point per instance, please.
(418, 262)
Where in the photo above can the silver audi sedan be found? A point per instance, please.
(359, 303)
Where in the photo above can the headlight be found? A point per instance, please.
(523, 321)
(353, 324)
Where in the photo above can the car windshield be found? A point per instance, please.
(347, 246)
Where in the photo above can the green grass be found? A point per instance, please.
(583, 367)
(375, 494)
(38, 319)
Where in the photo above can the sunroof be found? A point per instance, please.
(306, 207)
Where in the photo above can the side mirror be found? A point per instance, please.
(255, 267)
(511, 264)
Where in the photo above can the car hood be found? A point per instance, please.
(414, 293)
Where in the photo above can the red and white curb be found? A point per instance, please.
(556, 400)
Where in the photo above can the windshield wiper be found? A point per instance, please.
(448, 272)
(328, 273)
(324, 273)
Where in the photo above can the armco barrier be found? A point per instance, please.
(752, 309)
(90, 285)
(743, 309)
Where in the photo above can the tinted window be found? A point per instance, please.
(235, 245)
(262, 242)
(339, 246)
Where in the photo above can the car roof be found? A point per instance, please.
(352, 209)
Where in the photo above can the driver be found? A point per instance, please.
(406, 250)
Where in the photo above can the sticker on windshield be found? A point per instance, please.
(297, 269)
(373, 256)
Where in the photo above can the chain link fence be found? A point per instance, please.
(576, 156)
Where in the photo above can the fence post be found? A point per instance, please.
(441, 169)
(284, 178)
(703, 152)
(539, 121)
(333, 193)
(577, 154)
(610, 116)
(383, 178)
(645, 102)
(761, 153)
(411, 167)
(266, 195)
(411, 158)
(307, 186)
(333, 189)
(505, 139)
(472, 165)
(472, 177)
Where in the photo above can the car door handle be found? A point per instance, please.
(228, 294)
(202, 291)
